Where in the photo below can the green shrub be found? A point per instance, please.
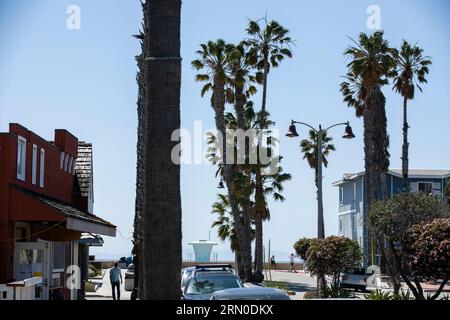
(404, 295)
(379, 295)
(337, 292)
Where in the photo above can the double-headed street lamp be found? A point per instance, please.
(292, 133)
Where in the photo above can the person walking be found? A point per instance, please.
(115, 277)
(272, 261)
(291, 263)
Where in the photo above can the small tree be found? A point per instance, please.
(301, 247)
(427, 249)
(390, 220)
(332, 256)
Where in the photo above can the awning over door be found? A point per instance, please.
(28, 206)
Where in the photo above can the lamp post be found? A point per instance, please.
(348, 134)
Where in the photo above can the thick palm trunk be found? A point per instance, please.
(162, 202)
(376, 145)
(139, 201)
(370, 178)
(405, 147)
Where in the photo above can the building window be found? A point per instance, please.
(341, 225)
(42, 169)
(66, 162)
(341, 196)
(61, 160)
(69, 167)
(354, 191)
(425, 187)
(34, 165)
(21, 157)
(59, 256)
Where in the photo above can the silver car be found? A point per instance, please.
(202, 284)
(253, 293)
(187, 272)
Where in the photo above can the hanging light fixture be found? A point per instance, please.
(292, 132)
(348, 134)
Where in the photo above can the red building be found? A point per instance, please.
(46, 210)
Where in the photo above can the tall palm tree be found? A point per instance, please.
(371, 64)
(162, 201)
(412, 68)
(214, 63)
(309, 148)
(354, 95)
(269, 45)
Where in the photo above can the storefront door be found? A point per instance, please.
(31, 259)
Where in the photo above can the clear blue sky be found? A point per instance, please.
(84, 81)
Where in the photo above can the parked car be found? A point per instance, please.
(124, 262)
(187, 272)
(203, 283)
(355, 279)
(253, 293)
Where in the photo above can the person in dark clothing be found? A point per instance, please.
(115, 276)
(272, 261)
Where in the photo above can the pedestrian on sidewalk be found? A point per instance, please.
(291, 263)
(272, 261)
(115, 276)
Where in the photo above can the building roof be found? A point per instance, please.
(51, 209)
(412, 173)
(83, 170)
(420, 173)
(73, 212)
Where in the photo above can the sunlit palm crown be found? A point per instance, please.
(412, 67)
(272, 40)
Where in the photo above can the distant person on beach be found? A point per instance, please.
(272, 261)
(115, 276)
(291, 263)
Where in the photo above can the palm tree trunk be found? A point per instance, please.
(242, 223)
(139, 201)
(265, 77)
(162, 201)
(370, 179)
(238, 264)
(259, 277)
(405, 147)
(258, 220)
(321, 280)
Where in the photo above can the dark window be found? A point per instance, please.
(59, 255)
(425, 187)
